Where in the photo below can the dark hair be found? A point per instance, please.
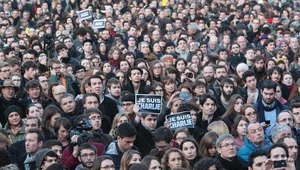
(226, 80)
(205, 163)
(126, 130)
(254, 154)
(278, 145)
(5, 158)
(268, 84)
(50, 111)
(236, 122)
(29, 64)
(198, 155)
(99, 160)
(32, 84)
(206, 96)
(134, 68)
(88, 112)
(64, 122)
(86, 145)
(94, 77)
(163, 134)
(39, 133)
(85, 96)
(247, 74)
(187, 107)
(148, 159)
(208, 141)
(275, 68)
(50, 143)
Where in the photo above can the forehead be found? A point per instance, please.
(290, 142)
(31, 121)
(67, 99)
(284, 115)
(254, 126)
(260, 159)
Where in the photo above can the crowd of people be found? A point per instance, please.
(68, 89)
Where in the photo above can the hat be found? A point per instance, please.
(40, 23)
(87, 40)
(12, 108)
(295, 25)
(78, 67)
(9, 83)
(40, 155)
(167, 57)
(242, 66)
(283, 41)
(264, 36)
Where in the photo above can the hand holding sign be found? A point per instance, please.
(149, 103)
(84, 14)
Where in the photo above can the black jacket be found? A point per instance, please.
(16, 150)
(236, 164)
(4, 104)
(144, 139)
(129, 87)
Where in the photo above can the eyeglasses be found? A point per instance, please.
(16, 79)
(226, 145)
(57, 68)
(126, 104)
(88, 155)
(109, 167)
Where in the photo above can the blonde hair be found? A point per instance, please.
(115, 124)
(219, 127)
(165, 159)
(126, 158)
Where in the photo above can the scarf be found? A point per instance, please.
(261, 108)
(29, 160)
(232, 165)
(113, 62)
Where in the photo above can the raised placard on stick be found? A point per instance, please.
(99, 23)
(181, 119)
(149, 103)
(84, 14)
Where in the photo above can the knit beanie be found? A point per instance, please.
(40, 155)
(12, 108)
(242, 66)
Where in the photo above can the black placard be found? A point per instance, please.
(182, 119)
(149, 103)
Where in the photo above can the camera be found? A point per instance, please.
(82, 130)
(189, 74)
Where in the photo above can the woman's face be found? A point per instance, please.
(175, 105)
(33, 112)
(287, 80)
(285, 60)
(120, 77)
(174, 160)
(63, 134)
(212, 151)
(54, 119)
(170, 87)
(238, 105)
(180, 136)
(147, 38)
(145, 75)
(16, 80)
(156, 48)
(251, 114)
(87, 88)
(14, 119)
(159, 91)
(102, 47)
(195, 59)
(86, 64)
(136, 158)
(122, 119)
(107, 163)
(194, 67)
(189, 150)
(124, 66)
(106, 68)
(154, 165)
(270, 65)
(157, 69)
(116, 55)
(180, 66)
(241, 128)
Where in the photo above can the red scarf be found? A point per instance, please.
(113, 62)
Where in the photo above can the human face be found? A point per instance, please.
(285, 118)
(275, 76)
(136, 158)
(8, 93)
(91, 102)
(278, 93)
(123, 119)
(115, 90)
(14, 119)
(209, 107)
(241, 128)
(208, 73)
(80, 74)
(175, 105)
(150, 121)
(43, 82)
(251, 82)
(87, 157)
(124, 66)
(227, 149)
(270, 47)
(31, 143)
(258, 162)
(68, 104)
(127, 107)
(96, 121)
(120, 76)
(278, 154)
(31, 72)
(259, 65)
(268, 95)
(125, 143)
(238, 105)
(292, 147)
(180, 136)
(251, 114)
(106, 68)
(58, 150)
(235, 49)
(255, 133)
(220, 74)
(154, 165)
(33, 112)
(31, 124)
(116, 55)
(180, 66)
(157, 69)
(195, 59)
(287, 80)
(58, 92)
(54, 119)
(296, 113)
(5, 72)
(175, 160)
(56, 68)
(227, 90)
(96, 86)
(200, 90)
(189, 150)
(212, 151)
(34, 93)
(63, 133)
(130, 59)
(159, 91)
(48, 161)
(107, 164)
(135, 76)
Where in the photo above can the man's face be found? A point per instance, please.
(292, 147)
(48, 161)
(5, 72)
(145, 48)
(31, 124)
(28, 57)
(87, 157)
(34, 92)
(259, 65)
(43, 82)
(294, 43)
(125, 143)
(251, 82)
(150, 121)
(87, 47)
(31, 143)
(96, 85)
(270, 47)
(135, 76)
(258, 163)
(278, 154)
(268, 95)
(278, 93)
(227, 90)
(296, 113)
(8, 92)
(115, 90)
(58, 92)
(91, 102)
(182, 45)
(255, 133)
(31, 72)
(209, 107)
(80, 74)
(96, 121)
(242, 42)
(170, 49)
(227, 149)
(127, 107)
(68, 43)
(235, 49)
(68, 104)
(275, 76)
(220, 74)
(285, 118)
(208, 73)
(56, 68)
(132, 31)
(58, 150)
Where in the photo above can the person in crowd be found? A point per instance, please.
(292, 145)
(279, 131)
(45, 158)
(51, 114)
(55, 145)
(86, 155)
(208, 163)
(118, 119)
(151, 162)
(104, 162)
(190, 149)
(250, 92)
(239, 129)
(174, 158)
(208, 145)
(257, 160)
(61, 129)
(130, 157)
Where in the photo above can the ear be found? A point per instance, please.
(142, 120)
(79, 158)
(40, 144)
(219, 150)
(108, 89)
(119, 138)
(261, 92)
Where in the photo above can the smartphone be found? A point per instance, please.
(267, 122)
(279, 164)
(185, 96)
